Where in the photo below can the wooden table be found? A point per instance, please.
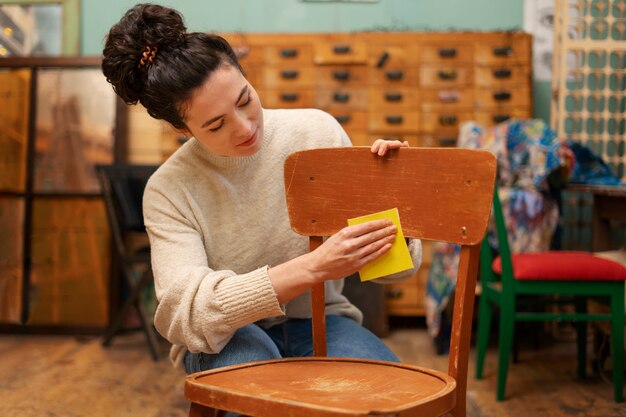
(609, 203)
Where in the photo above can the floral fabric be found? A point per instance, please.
(527, 153)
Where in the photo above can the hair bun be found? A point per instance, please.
(145, 25)
(158, 25)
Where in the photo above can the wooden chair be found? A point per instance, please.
(122, 188)
(441, 194)
(558, 275)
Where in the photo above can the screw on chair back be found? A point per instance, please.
(442, 194)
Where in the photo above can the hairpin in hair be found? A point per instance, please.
(148, 56)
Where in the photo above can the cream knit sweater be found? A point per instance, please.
(216, 224)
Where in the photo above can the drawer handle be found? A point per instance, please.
(341, 75)
(503, 51)
(289, 53)
(341, 97)
(502, 73)
(289, 74)
(447, 52)
(291, 97)
(394, 293)
(342, 49)
(394, 120)
(382, 60)
(447, 120)
(448, 96)
(448, 74)
(393, 97)
(394, 75)
(502, 96)
(342, 119)
(447, 141)
(499, 118)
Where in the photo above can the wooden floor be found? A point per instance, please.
(68, 376)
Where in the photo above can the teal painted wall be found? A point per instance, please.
(97, 16)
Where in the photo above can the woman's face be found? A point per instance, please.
(225, 114)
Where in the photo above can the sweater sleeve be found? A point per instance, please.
(199, 307)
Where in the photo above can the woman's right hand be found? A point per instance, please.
(350, 249)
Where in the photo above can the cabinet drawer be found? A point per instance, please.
(393, 98)
(452, 99)
(445, 77)
(360, 138)
(341, 76)
(407, 297)
(351, 120)
(393, 77)
(438, 140)
(393, 122)
(402, 295)
(288, 55)
(444, 123)
(446, 53)
(339, 50)
(500, 50)
(342, 99)
(285, 98)
(495, 116)
(288, 76)
(246, 54)
(389, 56)
(490, 98)
(503, 75)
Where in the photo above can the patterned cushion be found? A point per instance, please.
(563, 265)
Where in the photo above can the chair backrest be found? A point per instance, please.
(487, 273)
(122, 188)
(442, 194)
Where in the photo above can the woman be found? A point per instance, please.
(231, 276)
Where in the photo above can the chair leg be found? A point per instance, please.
(581, 337)
(146, 321)
(482, 335)
(116, 324)
(505, 343)
(133, 300)
(617, 345)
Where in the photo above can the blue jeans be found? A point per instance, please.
(345, 338)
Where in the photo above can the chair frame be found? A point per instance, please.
(125, 217)
(503, 291)
(441, 194)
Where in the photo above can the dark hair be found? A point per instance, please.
(182, 62)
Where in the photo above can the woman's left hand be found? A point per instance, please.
(381, 146)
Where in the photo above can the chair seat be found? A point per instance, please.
(329, 386)
(563, 266)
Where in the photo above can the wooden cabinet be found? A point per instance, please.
(411, 86)
(418, 87)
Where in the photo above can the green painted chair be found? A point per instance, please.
(563, 274)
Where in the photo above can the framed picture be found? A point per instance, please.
(39, 27)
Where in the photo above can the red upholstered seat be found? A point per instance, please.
(563, 265)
